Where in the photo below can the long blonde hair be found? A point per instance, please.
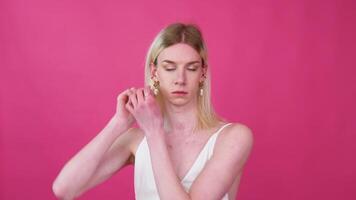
(189, 34)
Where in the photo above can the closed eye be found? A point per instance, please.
(172, 68)
(190, 69)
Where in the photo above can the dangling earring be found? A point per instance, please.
(154, 86)
(201, 91)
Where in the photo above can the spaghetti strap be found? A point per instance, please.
(222, 127)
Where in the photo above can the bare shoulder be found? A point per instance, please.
(235, 141)
(238, 133)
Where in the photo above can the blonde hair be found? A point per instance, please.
(189, 34)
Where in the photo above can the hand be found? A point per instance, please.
(122, 114)
(143, 106)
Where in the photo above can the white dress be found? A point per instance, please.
(144, 183)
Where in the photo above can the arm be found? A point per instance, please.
(94, 163)
(167, 182)
(107, 153)
(230, 154)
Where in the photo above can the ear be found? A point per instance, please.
(204, 71)
(153, 70)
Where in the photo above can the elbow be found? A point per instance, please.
(60, 192)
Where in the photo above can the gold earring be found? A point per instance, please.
(201, 91)
(154, 86)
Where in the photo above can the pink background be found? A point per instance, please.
(284, 68)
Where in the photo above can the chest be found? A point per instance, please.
(185, 152)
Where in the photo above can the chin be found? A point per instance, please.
(179, 101)
(178, 104)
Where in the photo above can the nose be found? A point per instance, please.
(181, 77)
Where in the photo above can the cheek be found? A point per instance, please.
(164, 84)
(167, 78)
(194, 79)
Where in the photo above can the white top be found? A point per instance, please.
(145, 186)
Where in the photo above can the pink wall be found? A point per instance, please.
(284, 68)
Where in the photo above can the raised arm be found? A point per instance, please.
(98, 160)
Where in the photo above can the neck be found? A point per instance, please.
(182, 119)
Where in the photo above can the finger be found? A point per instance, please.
(129, 106)
(124, 97)
(129, 102)
(150, 92)
(133, 99)
(139, 95)
(146, 91)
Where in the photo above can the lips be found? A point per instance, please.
(180, 92)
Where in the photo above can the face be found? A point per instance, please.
(179, 68)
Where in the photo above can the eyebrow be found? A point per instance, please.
(189, 63)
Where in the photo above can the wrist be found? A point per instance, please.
(154, 133)
(120, 120)
(119, 124)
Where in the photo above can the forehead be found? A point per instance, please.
(179, 53)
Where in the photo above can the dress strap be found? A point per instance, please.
(222, 127)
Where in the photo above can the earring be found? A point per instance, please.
(201, 88)
(154, 86)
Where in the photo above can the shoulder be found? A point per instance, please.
(236, 140)
(238, 132)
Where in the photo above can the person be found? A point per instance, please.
(181, 148)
